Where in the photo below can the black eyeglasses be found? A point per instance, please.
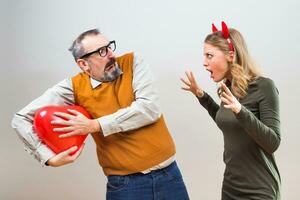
(102, 50)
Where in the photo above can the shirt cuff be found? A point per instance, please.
(108, 125)
(43, 153)
(242, 113)
(203, 98)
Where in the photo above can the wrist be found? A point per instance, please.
(50, 162)
(238, 109)
(95, 126)
(199, 93)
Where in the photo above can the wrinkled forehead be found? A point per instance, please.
(93, 42)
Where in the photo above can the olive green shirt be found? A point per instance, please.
(250, 139)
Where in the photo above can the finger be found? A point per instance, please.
(63, 115)
(226, 96)
(77, 154)
(64, 129)
(226, 89)
(187, 73)
(186, 88)
(192, 77)
(185, 82)
(225, 101)
(70, 150)
(68, 134)
(61, 122)
(75, 112)
(229, 106)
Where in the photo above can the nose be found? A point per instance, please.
(205, 63)
(110, 53)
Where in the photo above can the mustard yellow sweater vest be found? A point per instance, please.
(125, 152)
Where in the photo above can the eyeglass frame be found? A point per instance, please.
(106, 47)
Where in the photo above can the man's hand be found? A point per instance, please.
(64, 157)
(76, 124)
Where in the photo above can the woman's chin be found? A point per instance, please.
(216, 80)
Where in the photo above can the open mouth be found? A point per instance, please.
(110, 67)
(211, 73)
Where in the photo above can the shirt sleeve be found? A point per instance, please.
(265, 130)
(22, 122)
(209, 104)
(143, 111)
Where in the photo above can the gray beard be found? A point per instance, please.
(111, 76)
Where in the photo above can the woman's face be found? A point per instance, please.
(216, 62)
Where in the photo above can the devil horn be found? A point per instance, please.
(225, 30)
(214, 28)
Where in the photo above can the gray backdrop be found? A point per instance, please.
(36, 34)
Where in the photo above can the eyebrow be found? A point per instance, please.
(92, 52)
(209, 52)
(101, 47)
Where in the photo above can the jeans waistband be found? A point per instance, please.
(154, 172)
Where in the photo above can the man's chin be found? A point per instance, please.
(112, 74)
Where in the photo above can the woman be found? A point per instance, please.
(248, 117)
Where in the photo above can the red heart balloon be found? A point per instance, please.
(44, 128)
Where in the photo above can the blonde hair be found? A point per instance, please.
(243, 70)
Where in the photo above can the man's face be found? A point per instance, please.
(100, 68)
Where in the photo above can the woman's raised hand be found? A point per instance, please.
(191, 85)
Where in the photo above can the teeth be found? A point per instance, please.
(209, 71)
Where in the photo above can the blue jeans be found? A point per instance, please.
(162, 184)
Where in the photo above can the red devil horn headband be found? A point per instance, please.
(225, 33)
(214, 28)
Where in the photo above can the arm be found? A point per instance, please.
(205, 100)
(60, 94)
(143, 111)
(265, 130)
(209, 104)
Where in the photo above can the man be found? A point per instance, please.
(134, 146)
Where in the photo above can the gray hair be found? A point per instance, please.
(77, 48)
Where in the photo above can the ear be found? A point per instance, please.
(230, 57)
(84, 65)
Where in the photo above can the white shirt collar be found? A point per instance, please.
(95, 83)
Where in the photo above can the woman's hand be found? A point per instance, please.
(191, 84)
(229, 100)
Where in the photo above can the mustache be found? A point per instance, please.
(111, 62)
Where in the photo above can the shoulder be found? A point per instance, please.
(265, 85)
(125, 61)
(79, 80)
(126, 56)
(80, 75)
(135, 56)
